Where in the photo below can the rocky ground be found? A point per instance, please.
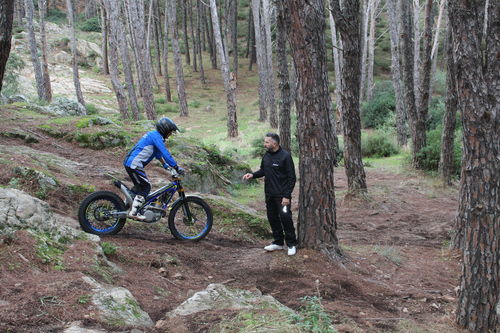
(398, 274)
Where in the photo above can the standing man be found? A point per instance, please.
(277, 166)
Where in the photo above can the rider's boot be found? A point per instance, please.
(138, 201)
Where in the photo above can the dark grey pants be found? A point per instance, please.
(281, 222)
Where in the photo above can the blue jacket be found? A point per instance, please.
(150, 146)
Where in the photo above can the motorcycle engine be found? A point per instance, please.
(153, 213)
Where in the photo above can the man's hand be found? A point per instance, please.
(247, 176)
(285, 202)
(180, 170)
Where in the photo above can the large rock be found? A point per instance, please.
(62, 57)
(19, 210)
(66, 107)
(88, 49)
(218, 297)
(117, 306)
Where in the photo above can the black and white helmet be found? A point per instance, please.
(166, 126)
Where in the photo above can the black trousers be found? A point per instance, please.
(142, 186)
(281, 222)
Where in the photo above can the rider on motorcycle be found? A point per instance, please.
(151, 145)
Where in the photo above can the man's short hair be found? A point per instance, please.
(274, 136)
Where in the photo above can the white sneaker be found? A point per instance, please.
(292, 250)
(273, 247)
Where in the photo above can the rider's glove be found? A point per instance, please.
(179, 170)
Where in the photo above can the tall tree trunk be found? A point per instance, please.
(229, 87)
(435, 47)
(393, 9)
(478, 222)
(347, 21)
(37, 66)
(125, 57)
(284, 81)
(157, 32)
(130, 41)
(186, 33)
(104, 42)
(135, 10)
(19, 12)
(76, 75)
(371, 50)
(337, 62)
(365, 19)
(253, 47)
(234, 35)
(149, 58)
(112, 16)
(271, 102)
(6, 18)
(42, 9)
(261, 59)
(90, 9)
(168, 93)
(181, 90)
(407, 60)
(425, 71)
(190, 13)
(416, 42)
(207, 24)
(317, 221)
(449, 117)
(199, 34)
(213, 54)
(249, 32)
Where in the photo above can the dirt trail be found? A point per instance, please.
(398, 270)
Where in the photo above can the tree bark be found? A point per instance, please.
(371, 50)
(449, 117)
(284, 81)
(229, 87)
(213, 52)
(365, 19)
(261, 59)
(253, 47)
(234, 34)
(435, 48)
(393, 9)
(42, 9)
(416, 42)
(271, 102)
(149, 58)
(190, 13)
(6, 18)
(125, 57)
(199, 33)
(317, 221)
(104, 42)
(76, 75)
(417, 126)
(112, 15)
(478, 222)
(347, 21)
(337, 62)
(37, 66)
(184, 24)
(168, 93)
(135, 11)
(181, 90)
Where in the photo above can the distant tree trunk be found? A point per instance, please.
(181, 90)
(234, 35)
(104, 42)
(435, 47)
(6, 18)
(211, 49)
(157, 32)
(199, 34)
(190, 13)
(478, 222)
(347, 21)
(186, 33)
(249, 32)
(284, 81)
(371, 50)
(261, 59)
(76, 76)
(416, 42)
(337, 60)
(113, 17)
(449, 117)
(393, 9)
(168, 93)
(407, 60)
(42, 9)
(317, 221)
(229, 87)
(125, 57)
(425, 72)
(271, 102)
(365, 19)
(90, 9)
(18, 11)
(37, 66)
(135, 10)
(253, 47)
(149, 58)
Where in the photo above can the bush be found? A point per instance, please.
(436, 112)
(55, 15)
(430, 154)
(165, 108)
(378, 145)
(258, 149)
(90, 25)
(11, 77)
(91, 108)
(160, 100)
(375, 113)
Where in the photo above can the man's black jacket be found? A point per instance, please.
(279, 171)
